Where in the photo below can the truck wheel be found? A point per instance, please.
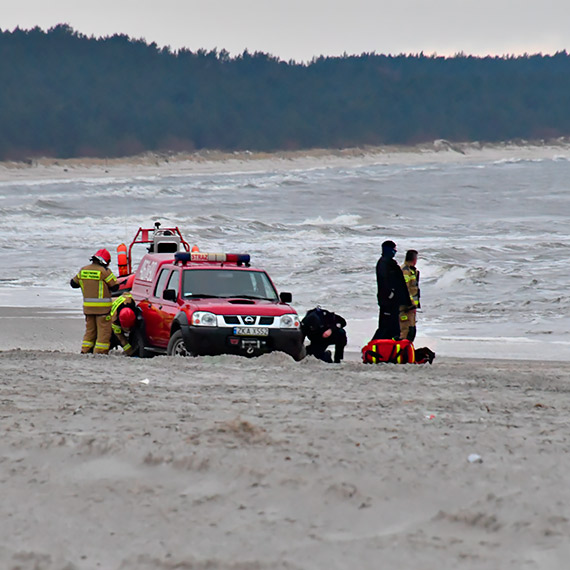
(302, 353)
(137, 341)
(176, 346)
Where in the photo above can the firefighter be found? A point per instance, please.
(412, 279)
(392, 293)
(96, 281)
(123, 317)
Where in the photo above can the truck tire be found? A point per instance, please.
(302, 353)
(138, 342)
(176, 346)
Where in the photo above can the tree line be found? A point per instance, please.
(63, 94)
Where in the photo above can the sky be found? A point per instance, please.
(302, 29)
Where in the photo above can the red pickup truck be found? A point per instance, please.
(196, 303)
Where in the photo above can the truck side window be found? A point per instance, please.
(174, 281)
(161, 283)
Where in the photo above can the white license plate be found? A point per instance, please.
(251, 331)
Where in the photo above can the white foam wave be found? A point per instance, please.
(448, 277)
(316, 234)
(340, 220)
(519, 160)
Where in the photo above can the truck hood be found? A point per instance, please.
(239, 306)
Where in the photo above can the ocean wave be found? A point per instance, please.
(519, 160)
(449, 276)
(18, 184)
(340, 220)
(492, 242)
(169, 191)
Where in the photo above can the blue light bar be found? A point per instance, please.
(182, 257)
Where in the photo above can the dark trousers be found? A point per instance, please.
(388, 323)
(318, 346)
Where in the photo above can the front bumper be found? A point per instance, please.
(202, 341)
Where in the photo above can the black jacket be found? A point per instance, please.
(392, 288)
(318, 320)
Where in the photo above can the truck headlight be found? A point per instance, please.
(204, 319)
(289, 321)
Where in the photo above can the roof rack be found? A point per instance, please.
(162, 240)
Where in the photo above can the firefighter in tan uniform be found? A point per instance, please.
(123, 318)
(96, 281)
(407, 314)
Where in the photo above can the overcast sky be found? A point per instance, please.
(301, 29)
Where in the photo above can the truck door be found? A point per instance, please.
(150, 311)
(166, 309)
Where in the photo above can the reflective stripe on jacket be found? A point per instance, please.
(411, 277)
(95, 280)
(124, 298)
(387, 350)
(113, 316)
(116, 309)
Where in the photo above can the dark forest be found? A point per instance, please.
(63, 94)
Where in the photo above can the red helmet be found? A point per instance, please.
(127, 318)
(102, 256)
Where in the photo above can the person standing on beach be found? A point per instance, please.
(96, 281)
(412, 279)
(392, 293)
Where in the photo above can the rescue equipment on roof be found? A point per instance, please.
(122, 260)
(160, 240)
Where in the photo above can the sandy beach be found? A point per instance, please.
(231, 463)
(251, 464)
(211, 161)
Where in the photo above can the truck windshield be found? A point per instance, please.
(227, 283)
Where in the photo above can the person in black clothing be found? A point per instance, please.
(392, 293)
(324, 328)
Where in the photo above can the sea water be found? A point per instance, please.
(493, 240)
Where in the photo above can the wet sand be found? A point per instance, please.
(232, 463)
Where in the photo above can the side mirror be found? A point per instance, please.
(169, 295)
(285, 297)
